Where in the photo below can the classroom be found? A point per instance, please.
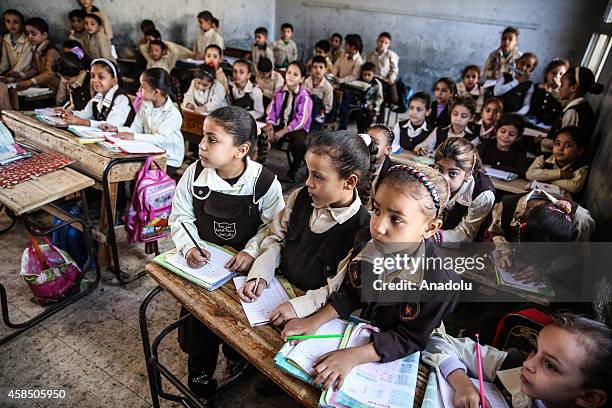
(335, 203)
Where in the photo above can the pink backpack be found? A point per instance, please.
(147, 219)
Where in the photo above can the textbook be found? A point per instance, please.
(259, 311)
(89, 134)
(134, 146)
(210, 276)
(549, 188)
(500, 174)
(389, 385)
(12, 152)
(506, 277)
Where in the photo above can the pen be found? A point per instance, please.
(316, 336)
(480, 381)
(194, 242)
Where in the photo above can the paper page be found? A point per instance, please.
(500, 174)
(53, 120)
(259, 312)
(305, 353)
(46, 112)
(30, 92)
(533, 132)
(432, 399)
(135, 146)
(90, 132)
(507, 276)
(210, 273)
(194, 61)
(492, 393)
(549, 188)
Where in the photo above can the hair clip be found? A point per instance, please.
(423, 179)
(366, 138)
(386, 127)
(522, 226)
(78, 52)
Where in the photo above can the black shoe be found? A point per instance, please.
(203, 385)
(268, 388)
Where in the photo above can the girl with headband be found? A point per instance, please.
(109, 105)
(75, 81)
(408, 208)
(205, 94)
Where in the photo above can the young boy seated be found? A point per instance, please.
(373, 98)
(179, 51)
(160, 56)
(348, 66)
(77, 25)
(261, 48)
(336, 47)
(285, 49)
(322, 49)
(384, 59)
(206, 36)
(320, 89)
(95, 43)
(268, 80)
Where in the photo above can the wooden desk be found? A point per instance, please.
(193, 122)
(90, 159)
(236, 52)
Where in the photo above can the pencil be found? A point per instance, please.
(316, 336)
(480, 381)
(194, 241)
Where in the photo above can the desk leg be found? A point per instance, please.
(11, 215)
(105, 250)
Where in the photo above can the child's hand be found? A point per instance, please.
(528, 275)
(566, 174)
(195, 259)
(13, 74)
(466, 394)
(61, 111)
(249, 293)
(125, 135)
(21, 85)
(241, 262)
(423, 151)
(72, 119)
(333, 367)
(506, 260)
(190, 106)
(300, 327)
(282, 314)
(107, 127)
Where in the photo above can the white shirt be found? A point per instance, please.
(255, 94)
(207, 100)
(387, 64)
(117, 115)
(412, 133)
(182, 205)
(162, 127)
(204, 39)
(284, 52)
(430, 142)
(324, 91)
(17, 57)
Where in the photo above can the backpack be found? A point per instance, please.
(68, 238)
(403, 94)
(147, 219)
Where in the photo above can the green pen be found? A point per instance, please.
(316, 336)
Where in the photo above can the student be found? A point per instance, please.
(348, 65)
(373, 99)
(484, 129)
(215, 24)
(206, 36)
(110, 104)
(96, 44)
(565, 167)
(383, 136)
(285, 49)
(407, 211)
(16, 49)
(160, 56)
(77, 25)
(158, 121)
(268, 80)
(513, 88)
(468, 212)
(75, 85)
(412, 131)
(178, 51)
(213, 55)
(502, 60)
(294, 122)
(224, 185)
(145, 27)
(89, 8)
(543, 98)
(569, 366)
(470, 86)
(243, 93)
(462, 112)
(261, 48)
(318, 85)
(336, 47)
(384, 59)
(444, 89)
(205, 94)
(309, 238)
(505, 151)
(322, 49)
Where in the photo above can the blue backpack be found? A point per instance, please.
(69, 238)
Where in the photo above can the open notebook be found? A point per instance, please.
(506, 277)
(134, 146)
(259, 311)
(89, 134)
(549, 188)
(500, 174)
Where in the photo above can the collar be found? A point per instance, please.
(286, 89)
(167, 106)
(210, 32)
(475, 91)
(551, 160)
(352, 57)
(209, 177)
(343, 214)
(575, 102)
(106, 100)
(312, 83)
(484, 134)
(410, 126)
(38, 49)
(452, 134)
(80, 79)
(22, 39)
(464, 195)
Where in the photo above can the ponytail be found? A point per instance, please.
(584, 78)
(158, 78)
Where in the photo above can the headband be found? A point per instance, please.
(567, 216)
(382, 125)
(423, 179)
(366, 138)
(107, 62)
(207, 74)
(78, 52)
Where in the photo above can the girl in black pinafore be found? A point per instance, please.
(75, 85)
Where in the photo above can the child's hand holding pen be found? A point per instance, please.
(252, 290)
(107, 127)
(195, 259)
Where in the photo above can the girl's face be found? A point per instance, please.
(86, 3)
(381, 140)
(35, 37)
(470, 79)
(398, 217)
(460, 117)
(442, 92)
(553, 77)
(526, 64)
(102, 80)
(204, 25)
(202, 84)
(293, 77)
(241, 74)
(417, 112)
(552, 371)
(147, 91)
(567, 91)
(565, 150)
(217, 148)
(452, 173)
(335, 42)
(491, 114)
(13, 24)
(324, 184)
(91, 25)
(508, 42)
(506, 136)
(212, 57)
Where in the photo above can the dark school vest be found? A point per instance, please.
(226, 219)
(387, 164)
(544, 106)
(309, 259)
(482, 183)
(245, 101)
(102, 114)
(434, 120)
(80, 96)
(514, 98)
(586, 120)
(407, 142)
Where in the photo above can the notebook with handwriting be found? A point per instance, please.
(259, 311)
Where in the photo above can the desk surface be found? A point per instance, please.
(32, 194)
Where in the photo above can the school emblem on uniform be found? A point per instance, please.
(409, 311)
(225, 230)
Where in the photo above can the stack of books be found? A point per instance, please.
(12, 152)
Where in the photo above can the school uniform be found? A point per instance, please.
(16, 55)
(387, 64)
(307, 243)
(407, 136)
(439, 135)
(347, 67)
(97, 45)
(323, 90)
(78, 93)
(439, 116)
(162, 127)
(285, 51)
(476, 93)
(513, 160)
(335, 54)
(372, 103)
(329, 65)
(232, 212)
(405, 326)
(468, 212)
(576, 113)
(548, 171)
(113, 108)
(78, 36)
(264, 51)
(205, 101)
(499, 61)
(206, 38)
(221, 77)
(544, 106)
(269, 86)
(513, 93)
(480, 133)
(180, 52)
(249, 98)
(166, 62)
(41, 71)
(106, 25)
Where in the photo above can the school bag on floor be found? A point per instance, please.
(147, 218)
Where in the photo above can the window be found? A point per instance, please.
(597, 52)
